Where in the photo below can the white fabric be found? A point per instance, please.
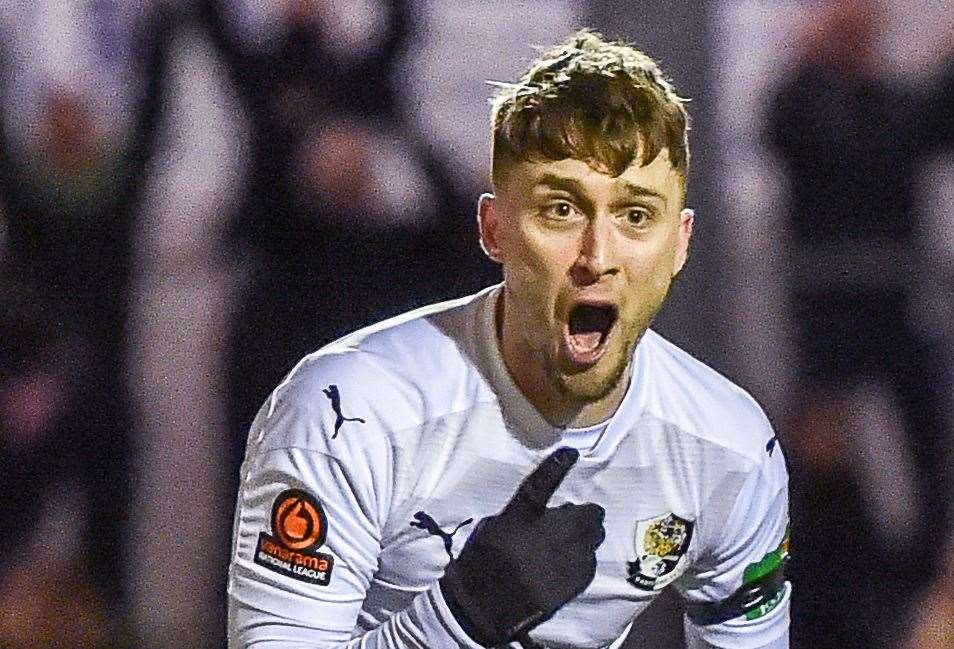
(446, 432)
(584, 439)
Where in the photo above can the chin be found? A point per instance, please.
(595, 383)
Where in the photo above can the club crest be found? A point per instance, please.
(661, 544)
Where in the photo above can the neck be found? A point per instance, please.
(529, 369)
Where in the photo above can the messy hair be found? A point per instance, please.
(605, 103)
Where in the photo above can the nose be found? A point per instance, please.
(596, 254)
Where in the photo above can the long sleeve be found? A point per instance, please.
(312, 506)
(271, 606)
(738, 598)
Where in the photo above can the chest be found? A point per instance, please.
(651, 539)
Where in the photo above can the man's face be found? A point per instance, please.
(587, 259)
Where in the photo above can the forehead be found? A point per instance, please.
(656, 180)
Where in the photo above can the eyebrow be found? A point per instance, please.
(568, 185)
(576, 188)
(635, 190)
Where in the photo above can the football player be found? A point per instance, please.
(530, 465)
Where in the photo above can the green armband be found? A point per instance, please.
(763, 586)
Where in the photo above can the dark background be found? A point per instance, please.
(195, 193)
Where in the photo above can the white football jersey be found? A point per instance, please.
(371, 463)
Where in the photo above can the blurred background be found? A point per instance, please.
(196, 193)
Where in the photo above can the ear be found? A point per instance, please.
(686, 220)
(487, 222)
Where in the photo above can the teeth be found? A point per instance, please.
(587, 342)
(586, 331)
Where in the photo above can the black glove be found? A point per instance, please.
(519, 567)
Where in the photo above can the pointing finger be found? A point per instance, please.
(535, 491)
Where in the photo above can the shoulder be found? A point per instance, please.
(391, 376)
(702, 402)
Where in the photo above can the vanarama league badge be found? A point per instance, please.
(299, 527)
(661, 544)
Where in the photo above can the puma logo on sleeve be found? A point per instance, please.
(335, 397)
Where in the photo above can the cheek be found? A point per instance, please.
(651, 271)
(541, 259)
(535, 270)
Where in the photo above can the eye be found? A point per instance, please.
(559, 210)
(638, 216)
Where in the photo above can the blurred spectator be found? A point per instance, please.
(853, 142)
(70, 183)
(348, 215)
(852, 580)
(52, 604)
(45, 408)
(934, 627)
(41, 389)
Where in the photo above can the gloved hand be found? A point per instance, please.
(520, 566)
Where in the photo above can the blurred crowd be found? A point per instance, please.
(348, 212)
(325, 241)
(853, 142)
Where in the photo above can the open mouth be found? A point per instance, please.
(587, 331)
